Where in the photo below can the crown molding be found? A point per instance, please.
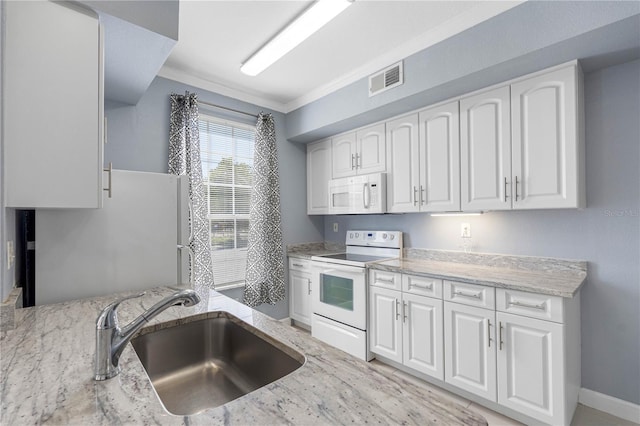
(186, 78)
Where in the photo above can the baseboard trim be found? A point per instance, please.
(610, 405)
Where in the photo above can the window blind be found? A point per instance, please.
(226, 150)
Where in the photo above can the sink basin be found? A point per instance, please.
(210, 359)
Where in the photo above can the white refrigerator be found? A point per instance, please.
(132, 243)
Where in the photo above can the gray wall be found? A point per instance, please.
(606, 233)
(527, 38)
(138, 140)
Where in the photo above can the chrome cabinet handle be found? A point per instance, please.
(397, 309)
(358, 161)
(542, 306)
(415, 195)
(353, 166)
(422, 200)
(489, 332)
(384, 279)
(424, 287)
(404, 312)
(309, 286)
(110, 171)
(517, 187)
(501, 342)
(505, 189)
(472, 295)
(298, 265)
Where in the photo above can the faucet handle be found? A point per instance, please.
(108, 317)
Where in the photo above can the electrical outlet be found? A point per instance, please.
(465, 230)
(335, 227)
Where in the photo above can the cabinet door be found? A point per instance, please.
(318, 176)
(423, 335)
(485, 147)
(371, 150)
(385, 334)
(531, 368)
(404, 165)
(469, 349)
(300, 296)
(545, 141)
(53, 119)
(343, 154)
(440, 159)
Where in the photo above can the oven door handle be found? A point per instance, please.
(343, 268)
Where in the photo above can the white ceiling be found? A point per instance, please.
(216, 37)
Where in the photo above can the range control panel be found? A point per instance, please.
(391, 239)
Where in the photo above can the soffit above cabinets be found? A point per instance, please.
(135, 46)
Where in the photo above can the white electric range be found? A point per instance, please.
(340, 294)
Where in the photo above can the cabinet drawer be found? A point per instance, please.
(298, 264)
(424, 286)
(470, 294)
(532, 305)
(384, 279)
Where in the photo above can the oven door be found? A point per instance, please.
(341, 295)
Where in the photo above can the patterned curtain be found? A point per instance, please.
(184, 159)
(264, 282)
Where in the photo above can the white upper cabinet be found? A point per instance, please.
(318, 176)
(439, 153)
(360, 152)
(545, 141)
(371, 150)
(485, 146)
(403, 179)
(343, 155)
(53, 93)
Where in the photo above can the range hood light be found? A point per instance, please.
(311, 20)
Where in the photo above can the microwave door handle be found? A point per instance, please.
(366, 195)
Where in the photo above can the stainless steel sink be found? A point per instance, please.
(208, 360)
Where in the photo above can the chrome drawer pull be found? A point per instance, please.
(542, 306)
(385, 279)
(423, 286)
(309, 285)
(473, 296)
(110, 188)
(297, 265)
(397, 309)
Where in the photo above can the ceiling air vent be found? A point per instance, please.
(386, 79)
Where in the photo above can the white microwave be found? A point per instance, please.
(364, 194)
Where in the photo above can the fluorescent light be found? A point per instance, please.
(457, 214)
(314, 18)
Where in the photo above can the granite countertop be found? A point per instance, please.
(307, 250)
(46, 371)
(543, 275)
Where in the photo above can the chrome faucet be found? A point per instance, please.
(111, 339)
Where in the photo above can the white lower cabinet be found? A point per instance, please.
(300, 285)
(531, 367)
(407, 328)
(518, 349)
(470, 349)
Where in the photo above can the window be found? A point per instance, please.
(227, 165)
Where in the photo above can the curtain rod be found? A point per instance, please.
(228, 109)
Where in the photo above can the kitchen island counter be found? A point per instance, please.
(46, 369)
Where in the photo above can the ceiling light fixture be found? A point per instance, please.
(311, 20)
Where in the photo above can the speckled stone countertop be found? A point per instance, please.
(46, 374)
(556, 277)
(306, 250)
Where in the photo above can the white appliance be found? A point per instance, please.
(340, 293)
(364, 194)
(129, 244)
